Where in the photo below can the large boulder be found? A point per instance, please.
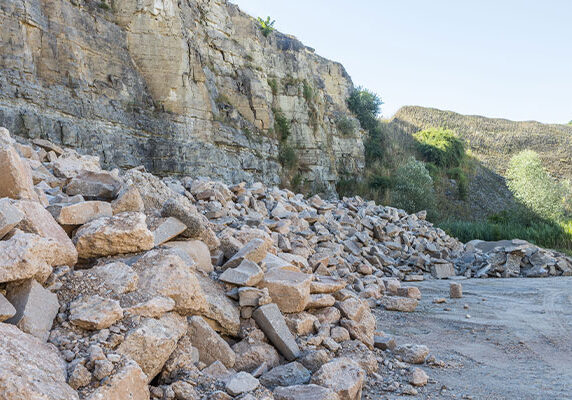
(108, 236)
(36, 308)
(289, 290)
(151, 342)
(211, 346)
(26, 256)
(343, 376)
(16, 177)
(79, 213)
(39, 221)
(31, 369)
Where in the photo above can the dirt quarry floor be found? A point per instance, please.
(505, 339)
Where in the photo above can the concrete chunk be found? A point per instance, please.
(271, 321)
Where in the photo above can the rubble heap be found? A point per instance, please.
(120, 285)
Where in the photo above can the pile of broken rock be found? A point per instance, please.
(120, 285)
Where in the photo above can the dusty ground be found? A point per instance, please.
(517, 343)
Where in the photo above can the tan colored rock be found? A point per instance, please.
(95, 312)
(455, 291)
(119, 277)
(403, 304)
(120, 234)
(304, 392)
(36, 308)
(79, 213)
(10, 216)
(168, 229)
(183, 358)
(7, 310)
(418, 377)
(164, 273)
(247, 273)
(210, 345)
(197, 250)
(343, 376)
(151, 342)
(289, 290)
(31, 369)
(221, 313)
(251, 355)
(70, 164)
(153, 308)
(25, 256)
(39, 221)
(128, 200)
(255, 251)
(100, 185)
(320, 301)
(326, 284)
(128, 383)
(271, 321)
(301, 324)
(412, 353)
(16, 177)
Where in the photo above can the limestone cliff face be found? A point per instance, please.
(189, 87)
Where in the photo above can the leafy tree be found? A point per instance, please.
(366, 107)
(266, 26)
(534, 187)
(413, 187)
(440, 146)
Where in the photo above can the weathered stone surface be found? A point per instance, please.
(270, 320)
(128, 383)
(320, 301)
(343, 376)
(30, 369)
(164, 273)
(119, 277)
(362, 329)
(151, 343)
(95, 312)
(418, 377)
(26, 256)
(167, 230)
(79, 213)
(403, 304)
(16, 177)
(39, 221)
(7, 310)
(122, 233)
(94, 185)
(455, 290)
(255, 251)
(304, 392)
(36, 308)
(211, 346)
(250, 356)
(289, 290)
(197, 250)
(384, 342)
(301, 324)
(71, 164)
(128, 200)
(10, 216)
(292, 373)
(187, 214)
(247, 273)
(153, 308)
(240, 383)
(412, 353)
(442, 271)
(79, 376)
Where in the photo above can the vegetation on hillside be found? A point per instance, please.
(415, 169)
(266, 26)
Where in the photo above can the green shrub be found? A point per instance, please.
(380, 182)
(413, 188)
(308, 92)
(534, 187)
(266, 26)
(103, 5)
(273, 86)
(366, 107)
(440, 146)
(459, 175)
(281, 125)
(346, 125)
(287, 157)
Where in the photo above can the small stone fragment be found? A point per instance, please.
(240, 383)
(455, 290)
(247, 273)
(418, 377)
(412, 353)
(95, 312)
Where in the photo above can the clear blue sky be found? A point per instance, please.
(503, 58)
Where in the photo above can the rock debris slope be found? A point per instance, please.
(120, 285)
